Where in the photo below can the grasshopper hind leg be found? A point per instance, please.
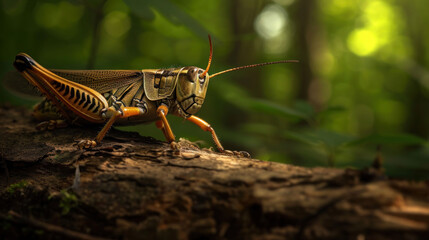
(112, 113)
(70, 98)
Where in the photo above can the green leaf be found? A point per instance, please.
(260, 129)
(305, 108)
(397, 139)
(320, 137)
(302, 137)
(329, 110)
(169, 10)
(271, 108)
(235, 95)
(16, 186)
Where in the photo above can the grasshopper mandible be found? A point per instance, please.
(122, 96)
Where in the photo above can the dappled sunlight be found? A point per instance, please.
(272, 26)
(363, 42)
(271, 21)
(377, 28)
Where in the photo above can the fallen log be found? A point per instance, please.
(134, 187)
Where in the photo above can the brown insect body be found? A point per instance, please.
(147, 89)
(122, 96)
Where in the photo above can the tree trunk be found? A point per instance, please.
(418, 95)
(309, 46)
(134, 187)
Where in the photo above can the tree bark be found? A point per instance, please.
(134, 187)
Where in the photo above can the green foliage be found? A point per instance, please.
(68, 201)
(390, 139)
(267, 107)
(169, 10)
(16, 186)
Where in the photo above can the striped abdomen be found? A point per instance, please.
(79, 98)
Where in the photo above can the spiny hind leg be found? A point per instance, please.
(206, 127)
(68, 96)
(88, 143)
(23, 64)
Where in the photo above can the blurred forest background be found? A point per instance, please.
(362, 80)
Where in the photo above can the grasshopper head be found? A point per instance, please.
(193, 82)
(191, 89)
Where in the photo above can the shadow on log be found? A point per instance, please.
(134, 187)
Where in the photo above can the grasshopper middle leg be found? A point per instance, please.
(163, 124)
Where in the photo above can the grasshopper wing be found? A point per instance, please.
(101, 80)
(16, 84)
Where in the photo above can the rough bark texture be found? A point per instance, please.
(133, 187)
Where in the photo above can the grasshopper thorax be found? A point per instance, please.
(191, 90)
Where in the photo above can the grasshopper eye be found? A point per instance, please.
(191, 75)
(202, 80)
(200, 77)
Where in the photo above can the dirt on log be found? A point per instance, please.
(134, 187)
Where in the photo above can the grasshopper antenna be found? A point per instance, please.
(210, 59)
(253, 65)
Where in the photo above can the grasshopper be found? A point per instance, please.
(122, 96)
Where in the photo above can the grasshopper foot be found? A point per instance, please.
(85, 144)
(51, 124)
(175, 147)
(243, 154)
